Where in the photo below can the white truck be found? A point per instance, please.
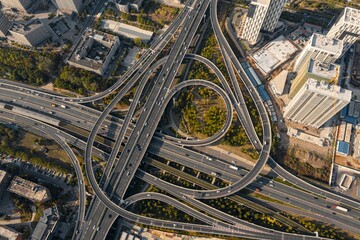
(63, 106)
(233, 167)
(340, 208)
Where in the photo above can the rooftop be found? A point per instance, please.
(352, 16)
(279, 81)
(2, 175)
(331, 90)
(8, 233)
(127, 30)
(29, 190)
(325, 71)
(273, 54)
(262, 2)
(26, 28)
(128, 1)
(324, 43)
(47, 222)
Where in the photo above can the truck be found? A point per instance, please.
(233, 167)
(63, 106)
(214, 174)
(53, 105)
(340, 208)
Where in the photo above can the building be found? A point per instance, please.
(273, 15)
(21, 5)
(127, 30)
(30, 34)
(7, 233)
(96, 50)
(47, 224)
(3, 177)
(296, 133)
(172, 3)
(278, 83)
(5, 25)
(127, 5)
(315, 70)
(69, 6)
(321, 48)
(29, 190)
(316, 103)
(262, 14)
(346, 27)
(274, 54)
(355, 76)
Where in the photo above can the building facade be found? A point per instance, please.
(20, 5)
(346, 27)
(30, 34)
(315, 70)
(254, 20)
(316, 103)
(69, 6)
(262, 14)
(273, 15)
(5, 25)
(321, 48)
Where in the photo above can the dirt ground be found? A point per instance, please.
(54, 150)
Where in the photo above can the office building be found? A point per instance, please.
(346, 27)
(5, 25)
(96, 50)
(20, 5)
(316, 70)
(47, 224)
(262, 14)
(69, 6)
(29, 190)
(7, 233)
(273, 15)
(30, 34)
(321, 48)
(316, 103)
(127, 5)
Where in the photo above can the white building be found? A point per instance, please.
(316, 103)
(126, 5)
(95, 51)
(127, 30)
(321, 48)
(172, 3)
(273, 15)
(5, 25)
(20, 5)
(278, 83)
(69, 6)
(30, 34)
(346, 27)
(262, 14)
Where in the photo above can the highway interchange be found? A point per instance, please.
(138, 138)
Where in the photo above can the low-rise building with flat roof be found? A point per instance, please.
(7, 233)
(127, 30)
(95, 51)
(47, 224)
(274, 54)
(30, 34)
(278, 83)
(29, 190)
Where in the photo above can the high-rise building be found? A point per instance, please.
(5, 25)
(346, 27)
(316, 70)
(20, 5)
(30, 34)
(320, 48)
(316, 103)
(262, 14)
(273, 15)
(69, 6)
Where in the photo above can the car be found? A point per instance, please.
(271, 185)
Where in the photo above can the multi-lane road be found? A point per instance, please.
(134, 136)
